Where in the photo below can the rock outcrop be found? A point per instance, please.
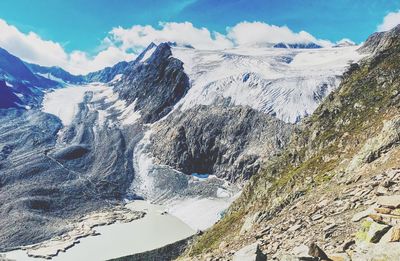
(250, 253)
(154, 86)
(224, 141)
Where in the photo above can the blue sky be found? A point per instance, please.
(82, 24)
(85, 25)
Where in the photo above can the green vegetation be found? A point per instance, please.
(225, 228)
(362, 234)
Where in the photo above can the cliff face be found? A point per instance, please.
(226, 141)
(328, 171)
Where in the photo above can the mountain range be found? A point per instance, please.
(294, 134)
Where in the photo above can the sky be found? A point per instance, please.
(87, 35)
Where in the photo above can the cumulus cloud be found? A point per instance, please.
(242, 34)
(389, 21)
(182, 33)
(32, 48)
(125, 43)
(258, 33)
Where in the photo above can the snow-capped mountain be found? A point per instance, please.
(344, 43)
(310, 45)
(17, 80)
(288, 83)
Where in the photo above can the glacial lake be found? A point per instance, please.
(121, 239)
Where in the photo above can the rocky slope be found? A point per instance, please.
(55, 73)
(49, 177)
(345, 155)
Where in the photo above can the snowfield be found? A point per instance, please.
(288, 83)
(63, 103)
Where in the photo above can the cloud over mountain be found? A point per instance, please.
(34, 49)
(389, 21)
(124, 43)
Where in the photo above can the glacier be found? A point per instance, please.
(286, 83)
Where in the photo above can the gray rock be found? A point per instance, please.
(360, 215)
(389, 201)
(376, 232)
(250, 253)
(380, 251)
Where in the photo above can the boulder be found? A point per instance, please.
(389, 201)
(380, 251)
(316, 251)
(248, 224)
(250, 253)
(376, 232)
(395, 234)
(360, 215)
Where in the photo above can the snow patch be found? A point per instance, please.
(143, 165)
(117, 77)
(51, 77)
(148, 54)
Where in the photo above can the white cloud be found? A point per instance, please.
(256, 33)
(244, 33)
(182, 33)
(32, 48)
(121, 43)
(389, 21)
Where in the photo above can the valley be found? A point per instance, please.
(190, 143)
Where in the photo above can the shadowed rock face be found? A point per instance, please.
(155, 85)
(8, 98)
(226, 141)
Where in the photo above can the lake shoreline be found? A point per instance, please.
(150, 229)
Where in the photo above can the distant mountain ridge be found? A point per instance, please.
(55, 73)
(310, 45)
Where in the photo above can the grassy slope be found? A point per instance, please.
(328, 140)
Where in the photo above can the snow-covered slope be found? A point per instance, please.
(288, 83)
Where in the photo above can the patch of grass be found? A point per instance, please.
(362, 234)
(224, 230)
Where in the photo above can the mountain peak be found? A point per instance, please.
(381, 40)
